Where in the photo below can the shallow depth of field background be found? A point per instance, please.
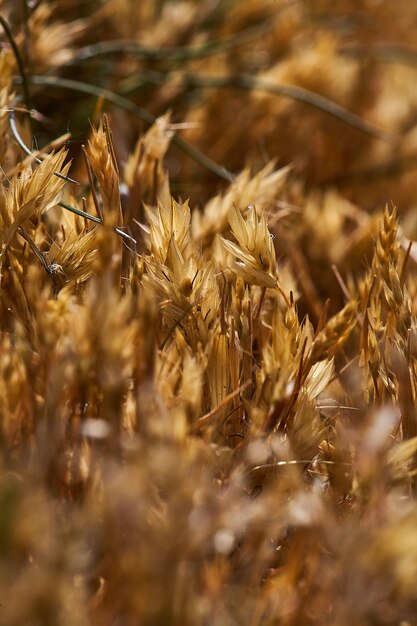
(208, 346)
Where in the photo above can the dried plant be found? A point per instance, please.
(208, 357)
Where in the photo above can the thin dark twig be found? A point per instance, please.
(169, 53)
(26, 150)
(22, 231)
(93, 90)
(243, 81)
(183, 53)
(51, 269)
(20, 65)
(25, 8)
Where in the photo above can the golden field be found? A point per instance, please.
(208, 300)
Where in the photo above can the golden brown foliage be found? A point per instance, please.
(208, 376)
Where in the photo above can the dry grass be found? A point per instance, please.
(208, 406)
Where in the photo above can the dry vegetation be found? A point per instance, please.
(208, 346)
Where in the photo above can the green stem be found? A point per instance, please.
(95, 219)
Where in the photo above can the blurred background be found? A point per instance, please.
(360, 55)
